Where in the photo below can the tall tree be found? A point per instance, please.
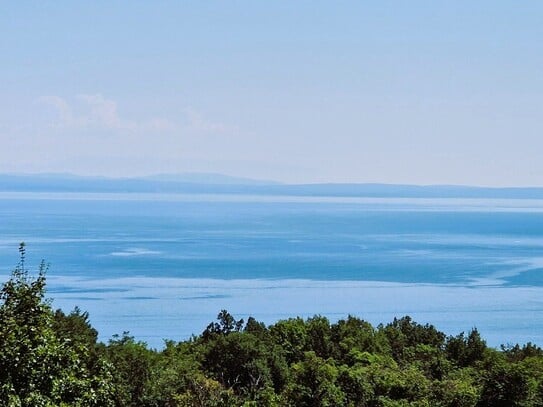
(37, 368)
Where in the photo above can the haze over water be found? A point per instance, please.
(162, 266)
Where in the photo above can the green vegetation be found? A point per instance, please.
(50, 358)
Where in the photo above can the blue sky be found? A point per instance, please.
(420, 92)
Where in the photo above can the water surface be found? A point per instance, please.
(453, 262)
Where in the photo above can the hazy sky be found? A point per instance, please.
(387, 91)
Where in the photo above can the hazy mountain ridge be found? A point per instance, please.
(210, 183)
(206, 178)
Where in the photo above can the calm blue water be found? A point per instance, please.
(469, 244)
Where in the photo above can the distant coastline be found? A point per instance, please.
(221, 184)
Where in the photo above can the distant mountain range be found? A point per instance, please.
(207, 178)
(208, 183)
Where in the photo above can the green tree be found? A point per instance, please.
(466, 351)
(37, 368)
(516, 353)
(314, 383)
(132, 363)
(354, 333)
(458, 389)
(404, 333)
(75, 327)
(319, 336)
(291, 335)
(238, 361)
(505, 386)
(225, 325)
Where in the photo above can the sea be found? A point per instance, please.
(162, 266)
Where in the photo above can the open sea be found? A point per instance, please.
(163, 266)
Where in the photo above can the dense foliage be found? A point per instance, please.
(50, 358)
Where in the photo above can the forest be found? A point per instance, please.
(52, 358)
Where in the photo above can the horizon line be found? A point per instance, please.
(254, 181)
